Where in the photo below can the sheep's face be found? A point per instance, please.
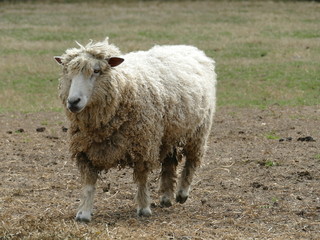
(83, 71)
(81, 87)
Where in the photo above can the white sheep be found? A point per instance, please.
(143, 109)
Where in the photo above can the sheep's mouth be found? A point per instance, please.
(74, 109)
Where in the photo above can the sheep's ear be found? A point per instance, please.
(115, 61)
(58, 60)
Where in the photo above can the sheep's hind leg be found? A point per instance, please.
(142, 197)
(168, 180)
(89, 177)
(185, 182)
(194, 154)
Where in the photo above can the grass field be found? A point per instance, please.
(257, 181)
(266, 52)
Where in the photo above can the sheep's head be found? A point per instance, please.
(82, 68)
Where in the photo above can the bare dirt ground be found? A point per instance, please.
(252, 185)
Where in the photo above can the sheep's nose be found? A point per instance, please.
(74, 101)
(73, 104)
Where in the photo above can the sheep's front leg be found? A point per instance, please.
(85, 209)
(142, 197)
(89, 176)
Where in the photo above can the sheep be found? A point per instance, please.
(144, 110)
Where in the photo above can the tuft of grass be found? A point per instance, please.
(272, 136)
(270, 164)
(274, 202)
(44, 123)
(317, 157)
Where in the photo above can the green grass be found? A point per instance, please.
(268, 163)
(317, 157)
(266, 53)
(271, 164)
(272, 137)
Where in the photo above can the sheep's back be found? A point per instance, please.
(178, 82)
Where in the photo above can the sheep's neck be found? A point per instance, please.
(99, 123)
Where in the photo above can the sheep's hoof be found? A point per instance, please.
(144, 212)
(83, 216)
(181, 197)
(165, 202)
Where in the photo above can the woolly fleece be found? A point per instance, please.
(141, 110)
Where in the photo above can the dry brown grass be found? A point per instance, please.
(235, 194)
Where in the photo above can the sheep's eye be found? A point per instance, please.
(96, 71)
